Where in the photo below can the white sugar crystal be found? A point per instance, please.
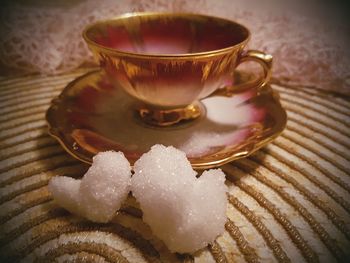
(105, 185)
(185, 212)
(101, 191)
(65, 191)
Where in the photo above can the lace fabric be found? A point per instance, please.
(307, 51)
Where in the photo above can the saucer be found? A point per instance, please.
(90, 115)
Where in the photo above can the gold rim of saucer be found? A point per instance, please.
(182, 56)
(272, 129)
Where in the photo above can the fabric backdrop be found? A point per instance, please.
(288, 202)
(309, 39)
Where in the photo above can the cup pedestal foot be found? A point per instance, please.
(168, 117)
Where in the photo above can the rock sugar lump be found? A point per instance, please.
(100, 193)
(182, 210)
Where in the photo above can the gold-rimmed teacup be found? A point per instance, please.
(169, 62)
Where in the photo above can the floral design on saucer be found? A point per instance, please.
(91, 116)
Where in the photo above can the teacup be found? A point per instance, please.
(169, 62)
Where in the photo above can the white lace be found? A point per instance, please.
(306, 51)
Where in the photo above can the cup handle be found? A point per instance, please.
(265, 60)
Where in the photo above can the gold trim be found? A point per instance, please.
(170, 117)
(221, 157)
(206, 54)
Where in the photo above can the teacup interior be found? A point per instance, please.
(173, 34)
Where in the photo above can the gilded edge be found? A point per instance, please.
(199, 164)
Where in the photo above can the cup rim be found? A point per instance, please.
(209, 53)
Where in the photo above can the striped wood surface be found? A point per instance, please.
(289, 202)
